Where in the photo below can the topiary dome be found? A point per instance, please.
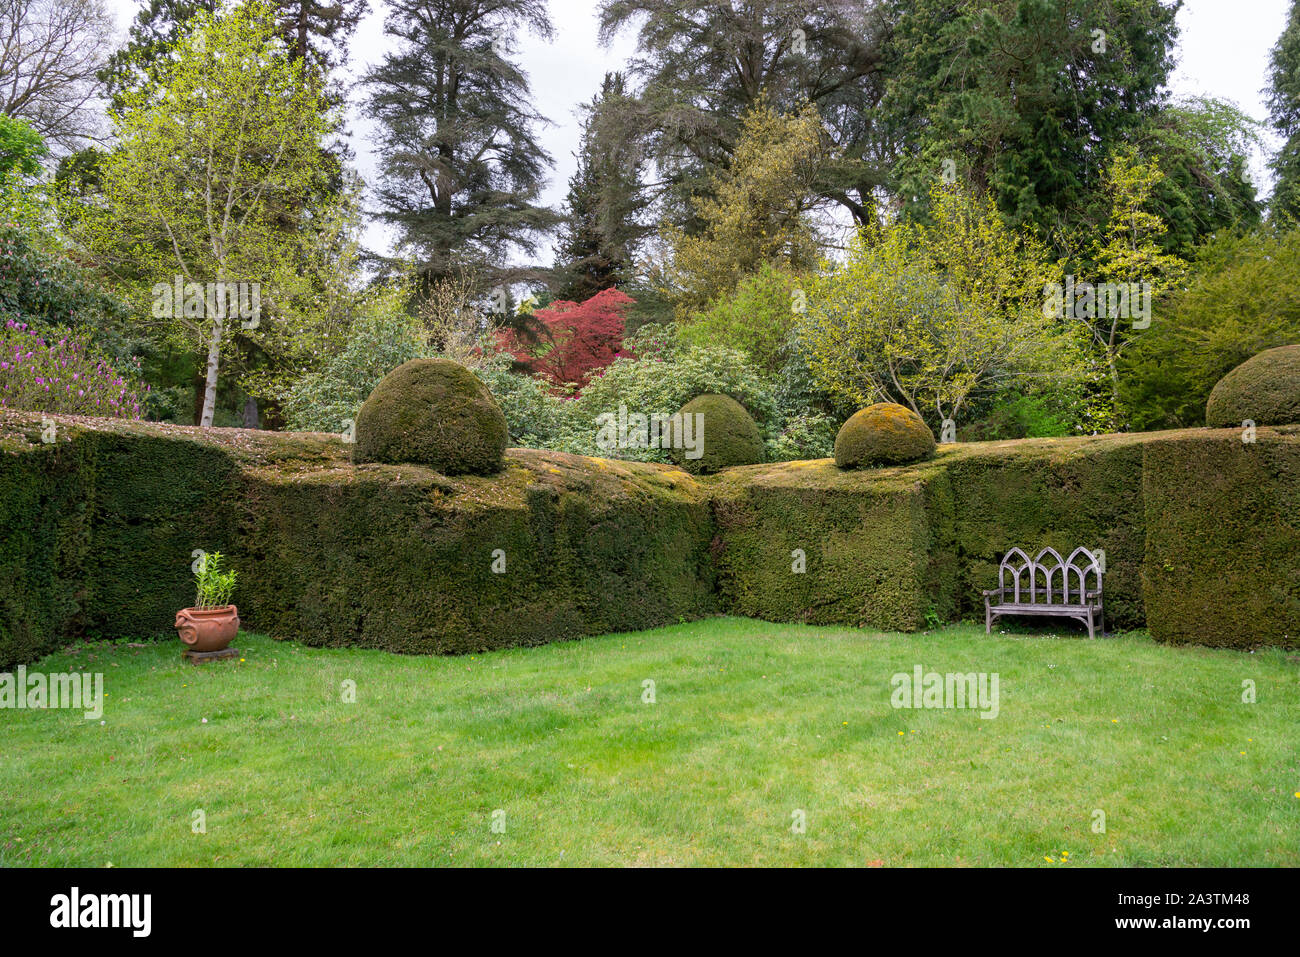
(1264, 389)
(883, 434)
(730, 435)
(432, 412)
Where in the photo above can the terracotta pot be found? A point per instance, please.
(208, 629)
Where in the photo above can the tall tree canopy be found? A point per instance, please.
(314, 32)
(1023, 97)
(1284, 112)
(602, 226)
(701, 66)
(216, 178)
(462, 166)
(50, 53)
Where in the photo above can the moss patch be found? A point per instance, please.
(883, 434)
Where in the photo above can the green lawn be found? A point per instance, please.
(752, 721)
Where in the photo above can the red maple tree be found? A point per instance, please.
(578, 339)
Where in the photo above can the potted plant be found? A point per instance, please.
(213, 622)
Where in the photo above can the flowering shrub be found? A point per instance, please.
(61, 377)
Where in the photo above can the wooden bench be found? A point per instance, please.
(1043, 586)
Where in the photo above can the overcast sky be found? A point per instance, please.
(1223, 52)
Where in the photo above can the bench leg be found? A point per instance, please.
(1091, 633)
(1101, 622)
(988, 618)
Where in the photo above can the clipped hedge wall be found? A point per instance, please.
(874, 544)
(45, 517)
(1199, 530)
(402, 558)
(1222, 561)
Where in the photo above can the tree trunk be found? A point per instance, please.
(210, 385)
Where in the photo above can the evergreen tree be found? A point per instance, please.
(702, 66)
(1014, 96)
(462, 167)
(600, 230)
(315, 32)
(1284, 112)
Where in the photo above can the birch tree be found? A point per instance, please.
(216, 180)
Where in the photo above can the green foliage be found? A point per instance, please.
(218, 176)
(21, 151)
(1015, 416)
(381, 338)
(727, 432)
(703, 66)
(1284, 113)
(461, 162)
(756, 318)
(214, 586)
(49, 291)
(534, 416)
(662, 375)
(1265, 389)
(934, 315)
(756, 212)
(1242, 296)
(1202, 147)
(883, 434)
(802, 435)
(1041, 83)
(600, 230)
(432, 412)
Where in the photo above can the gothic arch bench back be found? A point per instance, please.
(1047, 585)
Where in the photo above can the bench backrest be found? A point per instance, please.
(1048, 579)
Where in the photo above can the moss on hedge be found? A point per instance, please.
(883, 434)
(1222, 564)
(1199, 531)
(408, 560)
(730, 435)
(1062, 493)
(1265, 389)
(432, 412)
(872, 545)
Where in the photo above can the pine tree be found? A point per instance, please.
(1284, 112)
(462, 167)
(600, 230)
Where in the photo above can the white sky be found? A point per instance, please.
(1223, 52)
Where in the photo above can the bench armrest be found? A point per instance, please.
(990, 592)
